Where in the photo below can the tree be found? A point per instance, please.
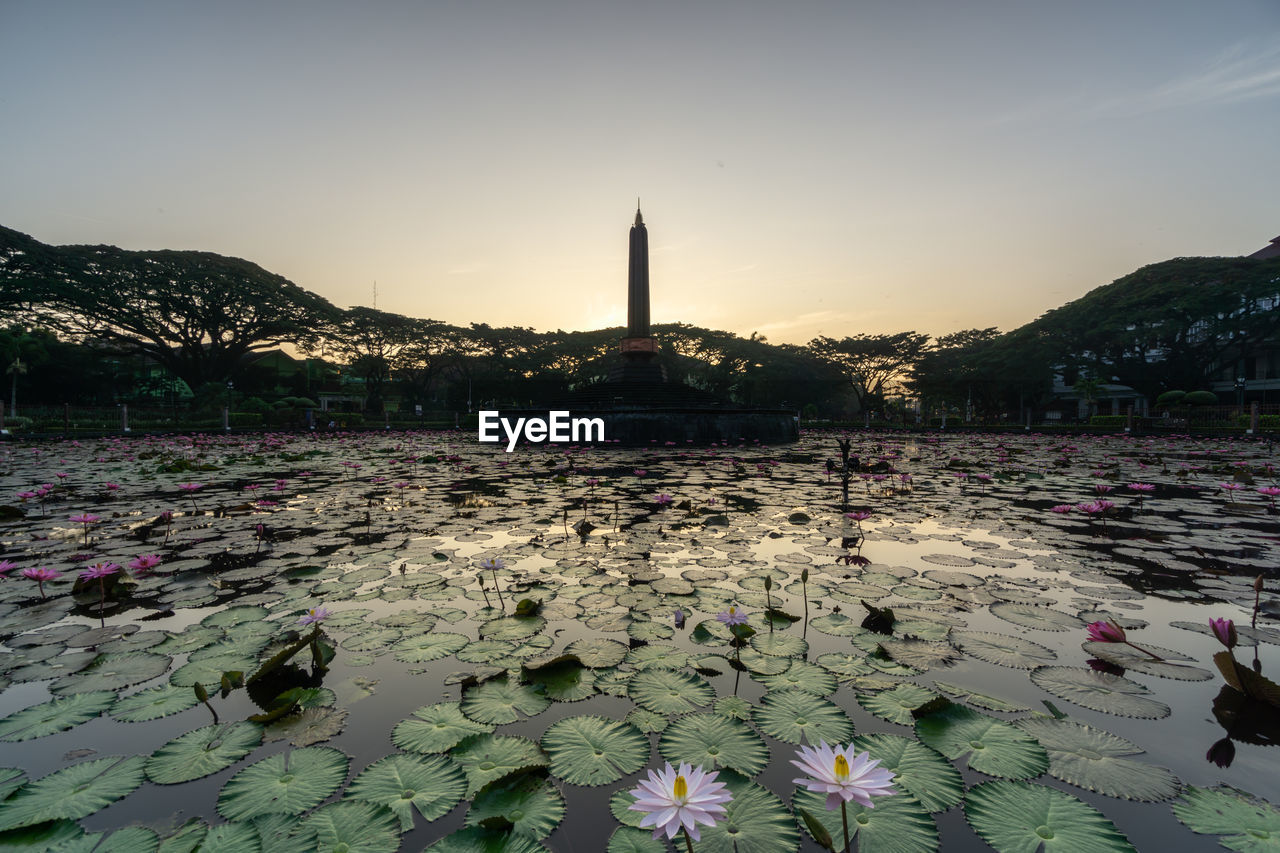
(195, 313)
(373, 343)
(872, 364)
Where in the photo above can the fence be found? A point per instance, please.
(68, 420)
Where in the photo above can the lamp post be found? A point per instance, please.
(14, 370)
(1240, 391)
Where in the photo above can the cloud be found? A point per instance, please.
(1238, 74)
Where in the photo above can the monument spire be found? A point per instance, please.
(638, 280)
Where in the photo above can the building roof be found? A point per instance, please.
(1269, 251)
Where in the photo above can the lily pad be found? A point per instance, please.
(531, 804)
(1099, 761)
(351, 826)
(1002, 649)
(592, 750)
(755, 821)
(1245, 822)
(202, 752)
(153, 703)
(487, 758)
(993, 746)
(56, 715)
(897, 705)
(597, 652)
(897, 824)
(287, 783)
(797, 717)
(1099, 691)
(1035, 616)
(1020, 816)
(499, 701)
(713, 741)
(431, 784)
(919, 770)
(73, 792)
(436, 728)
(668, 692)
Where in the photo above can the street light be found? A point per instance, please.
(1240, 391)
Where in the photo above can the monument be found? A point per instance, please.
(641, 405)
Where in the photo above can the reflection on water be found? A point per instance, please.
(963, 547)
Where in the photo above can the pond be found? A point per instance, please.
(410, 641)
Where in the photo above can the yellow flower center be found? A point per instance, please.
(842, 768)
(733, 611)
(681, 789)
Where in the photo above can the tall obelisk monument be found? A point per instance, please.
(638, 345)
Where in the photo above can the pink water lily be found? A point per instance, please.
(40, 575)
(1225, 631)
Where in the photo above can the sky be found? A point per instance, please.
(804, 168)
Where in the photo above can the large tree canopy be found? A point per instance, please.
(873, 364)
(196, 313)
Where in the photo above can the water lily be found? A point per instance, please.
(1225, 631)
(680, 799)
(732, 616)
(315, 616)
(40, 575)
(843, 776)
(1109, 631)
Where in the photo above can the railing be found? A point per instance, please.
(67, 419)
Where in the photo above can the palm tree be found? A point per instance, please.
(1087, 389)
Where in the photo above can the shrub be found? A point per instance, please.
(256, 405)
(13, 423)
(1170, 398)
(1201, 398)
(245, 419)
(1108, 420)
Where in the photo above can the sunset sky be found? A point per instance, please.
(804, 168)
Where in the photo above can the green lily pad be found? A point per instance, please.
(897, 823)
(499, 701)
(837, 625)
(56, 715)
(658, 655)
(918, 654)
(1091, 758)
(422, 648)
(593, 750)
(476, 839)
(993, 746)
(668, 692)
(628, 839)
(755, 821)
(796, 717)
(1245, 822)
(897, 704)
(512, 628)
(733, 707)
(531, 804)
(647, 721)
(649, 631)
(153, 703)
(287, 783)
(487, 758)
(779, 645)
(431, 784)
(202, 752)
(1035, 616)
(920, 771)
(1020, 816)
(350, 826)
(234, 837)
(961, 693)
(802, 675)
(713, 741)
(73, 792)
(597, 652)
(436, 728)
(1099, 691)
(1002, 649)
(112, 672)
